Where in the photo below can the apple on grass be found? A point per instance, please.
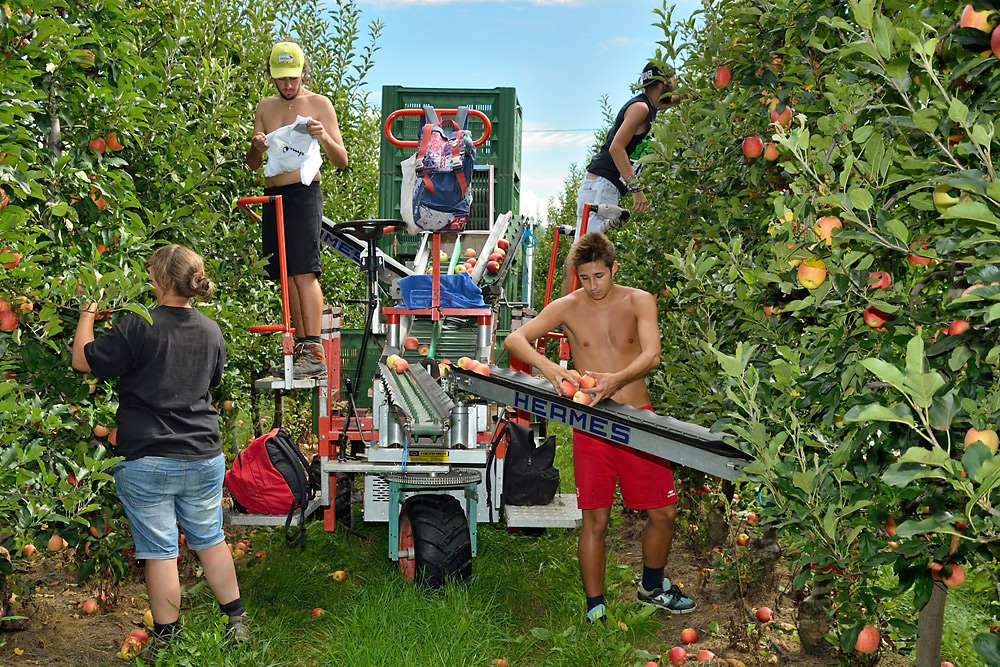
(689, 636)
(765, 615)
(678, 655)
(317, 612)
(140, 635)
(705, 656)
(147, 619)
(89, 607)
(340, 576)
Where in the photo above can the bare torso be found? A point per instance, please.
(604, 337)
(275, 112)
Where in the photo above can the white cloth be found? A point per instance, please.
(409, 169)
(290, 148)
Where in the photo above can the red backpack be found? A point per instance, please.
(271, 476)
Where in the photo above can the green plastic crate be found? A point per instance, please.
(350, 350)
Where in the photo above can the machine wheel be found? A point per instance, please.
(434, 542)
(343, 500)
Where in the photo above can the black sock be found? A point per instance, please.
(166, 631)
(233, 609)
(311, 339)
(652, 578)
(594, 601)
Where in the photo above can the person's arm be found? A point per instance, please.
(325, 129)
(520, 343)
(636, 116)
(255, 154)
(84, 335)
(608, 384)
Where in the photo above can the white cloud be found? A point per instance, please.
(534, 142)
(620, 43)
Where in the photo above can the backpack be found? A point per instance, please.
(529, 476)
(442, 196)
(271, 476)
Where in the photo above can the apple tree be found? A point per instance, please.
(826, 203)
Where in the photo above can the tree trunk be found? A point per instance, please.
(814, 622)
(930, 628)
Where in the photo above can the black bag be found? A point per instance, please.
(529, 476)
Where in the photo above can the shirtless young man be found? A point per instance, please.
(614, 336)
(302, 204)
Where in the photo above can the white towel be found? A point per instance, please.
(290, 148)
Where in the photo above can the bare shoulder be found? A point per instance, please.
(639, 298)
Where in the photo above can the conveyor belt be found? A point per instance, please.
(422, 406)
(665, 437)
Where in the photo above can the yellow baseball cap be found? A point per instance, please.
(287, 60)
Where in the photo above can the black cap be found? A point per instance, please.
(651, 73)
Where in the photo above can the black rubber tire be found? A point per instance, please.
(442, 548)
(343, 502)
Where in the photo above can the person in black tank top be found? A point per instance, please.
(614, 171)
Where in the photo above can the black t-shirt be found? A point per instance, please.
(604, 165)
(166, 369)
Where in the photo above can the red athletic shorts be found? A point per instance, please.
(647, 481)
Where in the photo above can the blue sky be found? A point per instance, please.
(560, 55)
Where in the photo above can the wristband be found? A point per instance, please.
(629, 178)
(634, 187)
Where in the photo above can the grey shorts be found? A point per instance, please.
(302, 207)
(598, 190)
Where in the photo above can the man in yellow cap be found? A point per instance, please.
(295, 107)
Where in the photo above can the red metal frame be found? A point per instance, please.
(400, 143)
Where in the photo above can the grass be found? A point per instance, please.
(524, 604)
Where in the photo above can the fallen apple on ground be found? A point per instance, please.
(765, 615)
(89, 607)
(340, 576)
(689, 636)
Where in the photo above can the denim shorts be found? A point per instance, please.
(159, 492)
(594, 191)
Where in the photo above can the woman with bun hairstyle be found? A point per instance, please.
(168, 432)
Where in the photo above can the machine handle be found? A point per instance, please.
(400, 113)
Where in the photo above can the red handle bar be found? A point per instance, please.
(399, 143)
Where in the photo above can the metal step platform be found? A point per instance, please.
(234, 518)
(667, 438)
(562, 512)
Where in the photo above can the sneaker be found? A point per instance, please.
(598, 613)
(669, 598)
(238, 628)
(310, 362)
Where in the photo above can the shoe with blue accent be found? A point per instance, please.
(598, 613)
(669, 598)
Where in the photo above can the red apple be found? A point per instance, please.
(113, 437)
(753, 147)
(402, 366)
(496, 257)
(13, 259)
(498, 662)
(956, 578)
(765, 615)
(129, 648)
(113, 143)
(890, 526)
(978, 20)
(752, 519)
(918, 259)
(470, 252)
(743, 539)
(880, 280)
(689, 636)
(588, 382)
(678, 656)
(875, 318)
(471, 263)
(463, 361)
(317, 612)
(958, 327)
(139, 634)
(784, 118)
(482, 369)
(411, 343)
(771, 152)
(89, 607)
(4, 199)
(493, 267)
(812, 273)
(98, 146)
(8, 321)
(582, 398)
(568, 388)
(705, 656)
(56, 543)
(29, 550)
(868, 640)
(424, 350)
(947, 664)
(503, 244)
(340, 576)
(825, 227)
(723, 76)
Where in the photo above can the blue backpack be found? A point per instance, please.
(442, 196)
